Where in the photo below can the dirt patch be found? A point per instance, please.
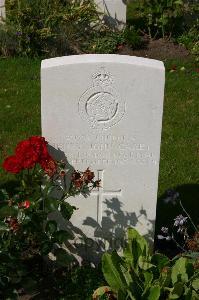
(158, 49)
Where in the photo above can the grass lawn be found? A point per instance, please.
(20, 118)
(20, 103)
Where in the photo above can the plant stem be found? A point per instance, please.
(188, 216)
(178, 245)
(33, 172)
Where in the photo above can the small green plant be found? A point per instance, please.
(139, 275)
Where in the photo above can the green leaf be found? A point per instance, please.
(165, 277)
(137, 246)
(8, 211)
(67, 210)
(179, 272)
(195, 295)
(177, 291)
(63, 258)
(51, 204)
(3, 226)
(29, 285)
(127, 275)
(154, 293)
(51, 227)
(46, 247)
(192, 255)
(144, 264)
(111, 267)
(3, 195)
(160, 260)
(178, 2)
(148, 278)
(121, 295)
(62, 236)
(195, 284)
(188, 294)
(101, 291)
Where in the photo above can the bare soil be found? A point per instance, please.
(157, 49)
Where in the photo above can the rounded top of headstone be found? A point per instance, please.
(102, 58)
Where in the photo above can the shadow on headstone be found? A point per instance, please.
(109, 235)
(109, 20)
(168, 207)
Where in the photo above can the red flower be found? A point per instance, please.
(26, 153)
(32, 151)
(12, 164)
(49, 165)
(40, 146)
(25, 204)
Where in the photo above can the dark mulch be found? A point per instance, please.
(158, 49)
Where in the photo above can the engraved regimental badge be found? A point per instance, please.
(101, 105)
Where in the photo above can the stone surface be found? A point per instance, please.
(105, 112)
(2, 10)
(114, 12)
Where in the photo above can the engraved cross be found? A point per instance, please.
(100, 193)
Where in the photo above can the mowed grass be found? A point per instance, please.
(179, 163)
(20, 117)
(19, 103)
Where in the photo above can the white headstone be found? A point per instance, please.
(105, 112)
(114, 12)
(2, 10)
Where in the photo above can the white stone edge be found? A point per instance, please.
(101, 58)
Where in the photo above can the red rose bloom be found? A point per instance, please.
(12, 164)
(26, 153)
(25, 204)
(40, 146)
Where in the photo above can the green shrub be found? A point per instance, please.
(8, 40)
(190, 39)
(132, 38)
(104, 41)
(48, 27)
(139, 275)
(158, 18)
(107, 41)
